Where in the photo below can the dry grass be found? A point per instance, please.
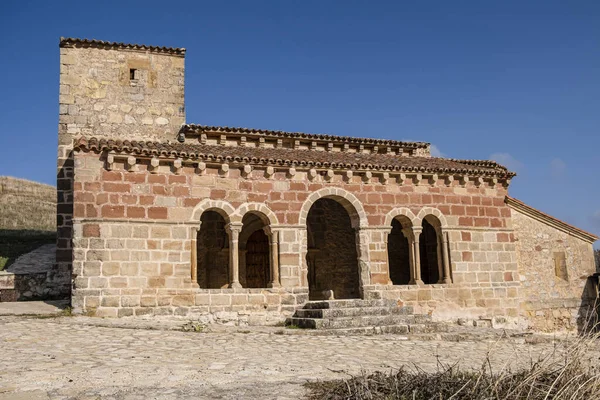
(570, 372)
(27, 205)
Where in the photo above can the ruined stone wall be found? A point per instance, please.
(552, 300)
(106, 91)
(133, 229)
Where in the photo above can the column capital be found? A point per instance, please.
(234, 227)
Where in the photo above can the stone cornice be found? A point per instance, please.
(544, 218)
(101, 44)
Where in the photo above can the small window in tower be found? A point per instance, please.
(560, 265)
(133, 74)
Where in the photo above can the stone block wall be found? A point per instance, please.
(134, 227)
(112, 90)
(555, 266)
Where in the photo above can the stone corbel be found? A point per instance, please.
(246, 171)
(269, 172)
(401, 179)
(493, 182)
(223, 170)
(203, 138)
(463, 179)
(201, 168)
(154, 163)
(177, 165)
(329, 175)
(261, 142)
(330, 146)
(417, 179)
(345, 148)
(433, 179)
(291, 172)
(385, 178)
(348, 176)
(367, 177)
(312, 174)
(110, 161)
(131, 164)
(279, 144)
(243, 141)
(448, 180)
(478, 181)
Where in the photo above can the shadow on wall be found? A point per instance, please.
(588, 317)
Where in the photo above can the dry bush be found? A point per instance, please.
(27, 205)
(570, 372)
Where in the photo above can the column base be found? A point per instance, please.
(235, 285)
(274, 285)
(447, 281)
(417, 282)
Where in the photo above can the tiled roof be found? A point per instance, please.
(189, 128)
(75, 42)
(296, 158)
(549, 220)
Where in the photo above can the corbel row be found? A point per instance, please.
(384, 177)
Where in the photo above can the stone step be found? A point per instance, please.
(426, 331)
(356, 321)
(348, 303)
(351, 312)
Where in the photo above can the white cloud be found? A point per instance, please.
(435, 151)
(558, 167)
(507, 160)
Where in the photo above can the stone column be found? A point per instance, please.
(410, 237)
(234, 230)
(242, 267)
(417, 255)
(194, 254)
(447, 277)
(438, 238)
(274, 243)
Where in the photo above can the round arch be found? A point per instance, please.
(221, 207)
(350, 202)
(260, 210)
(427, 211)
(401, 211)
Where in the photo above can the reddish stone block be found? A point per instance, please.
(289, 196)
(160, 179)
(280, 206)
(91, 230)
(92, 186)
(245, 185)
(457, 210)
(177, 179)
(298, 186)
(160, 190)
(467, 256)
(117, 187)
(492, 212)
(135, 177)
(102, 198)
(275, 196)
(472, 211)
(465, 221)
(146, 200)
(191, 202)
(136, 212)
(373, 198)
(481, 221)
(129, 199)
(157, 212)
(79, 210)
(466, 236)
(110, 211)
(263, 187)
(181, 191)
(91, 211)
(508, 277)
(486, 201)
(496, 223)
(503, 237)
(112, 176)
(218, 194)
(258, 197)
(84, 197)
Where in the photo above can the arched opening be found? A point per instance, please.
(332, 256)
(212, 252)
(429, 249)
(254, 252)
(399, 251)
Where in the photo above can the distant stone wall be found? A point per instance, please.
(554, 267)
(27, 205)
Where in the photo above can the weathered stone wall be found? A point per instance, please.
(134, 228)
(107, 91)
(550, 302)
(27, 205)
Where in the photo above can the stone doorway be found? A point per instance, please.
(257, 260)
(332, 257)
(212, 252)
(429, 252)
(399, 251)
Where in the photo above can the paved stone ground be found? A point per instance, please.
(76, 358)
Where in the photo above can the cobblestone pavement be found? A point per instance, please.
(66, 358)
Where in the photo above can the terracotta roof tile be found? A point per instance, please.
(296, 158)
(300, 135)
(75, 42)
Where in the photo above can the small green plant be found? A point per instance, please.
(292, 327)
(3, 262)
(193, 327)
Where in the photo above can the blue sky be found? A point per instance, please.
(514, 81)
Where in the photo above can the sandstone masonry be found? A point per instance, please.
(159, 217)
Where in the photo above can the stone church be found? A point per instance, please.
(158, 216)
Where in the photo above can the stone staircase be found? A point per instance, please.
(356, 316)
